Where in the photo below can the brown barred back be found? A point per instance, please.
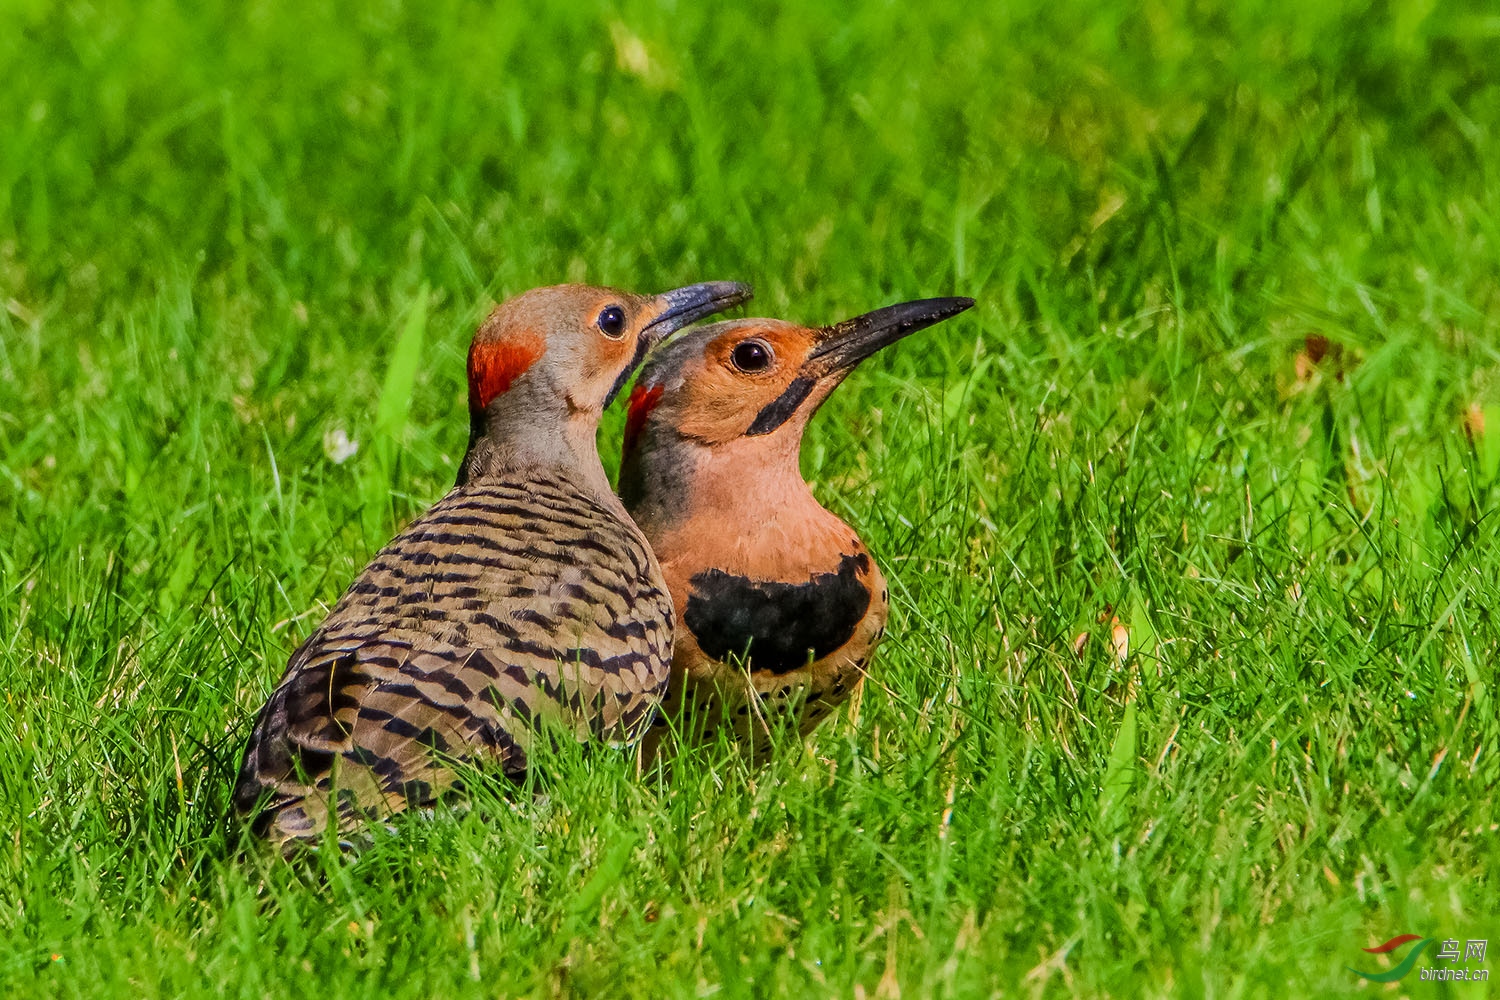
(509, 609)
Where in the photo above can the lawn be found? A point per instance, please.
(1189, 524)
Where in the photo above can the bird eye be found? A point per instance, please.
(751, 356)
(611, 322)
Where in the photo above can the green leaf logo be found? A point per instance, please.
(1410, 960)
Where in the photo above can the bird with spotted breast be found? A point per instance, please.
(779, 604)
(524, 602)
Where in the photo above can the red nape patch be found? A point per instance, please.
(643, 399)
(494, 365)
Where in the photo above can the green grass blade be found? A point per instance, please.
(391, 416)
(1119, 772)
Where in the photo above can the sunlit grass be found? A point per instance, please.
(1229, 406)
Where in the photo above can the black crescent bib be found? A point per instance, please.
(782, 626)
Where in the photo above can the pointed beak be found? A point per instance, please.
(683, 306)
(844, 345)
(676, 309)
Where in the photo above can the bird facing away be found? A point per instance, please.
(523, 602)
(778, 603)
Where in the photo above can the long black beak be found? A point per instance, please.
(676, 309)
(844, 345)
(683, 306)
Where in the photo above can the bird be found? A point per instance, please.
(524, 604)
(779, 604)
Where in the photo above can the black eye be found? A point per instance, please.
(611, 322)
(751, 356)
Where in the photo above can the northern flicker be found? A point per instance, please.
(524, 601)
(778, 603)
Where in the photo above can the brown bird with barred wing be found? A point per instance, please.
(779, 604)
(524, 600)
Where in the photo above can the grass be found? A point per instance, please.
(1229, 405)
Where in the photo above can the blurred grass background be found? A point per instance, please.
(1229, 406)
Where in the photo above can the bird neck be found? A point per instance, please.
(517, 435)
(746, 496)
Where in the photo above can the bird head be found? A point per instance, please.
(717, 416)
(551, 359)
(761, 378)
